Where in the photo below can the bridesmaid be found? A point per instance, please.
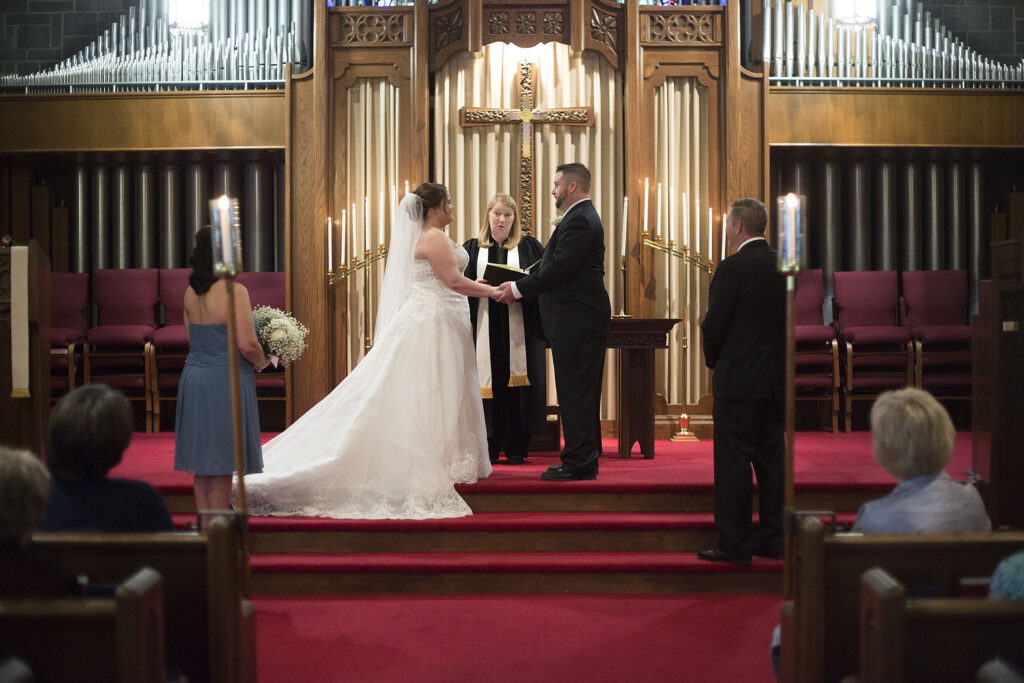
(203, 439)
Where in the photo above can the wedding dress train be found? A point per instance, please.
(394, 437)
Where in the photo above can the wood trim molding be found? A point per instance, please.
(883, 117)
(237, 119)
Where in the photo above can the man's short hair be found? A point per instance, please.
(752, 214)
(88, 432)
(24, 490)
(577, 173)
(912, 433)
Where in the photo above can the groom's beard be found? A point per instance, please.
(558, 201)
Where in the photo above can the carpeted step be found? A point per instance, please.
(507, 572)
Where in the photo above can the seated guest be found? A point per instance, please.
(913, 441)
(25, 572)
(89, 430)
(1008, 579)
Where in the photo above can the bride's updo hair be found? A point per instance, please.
(432, 195)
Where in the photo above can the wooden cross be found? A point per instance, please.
(526, 116)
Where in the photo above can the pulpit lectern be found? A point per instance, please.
(636, 339)
(24, 346)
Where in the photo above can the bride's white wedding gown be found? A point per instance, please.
(395, 436)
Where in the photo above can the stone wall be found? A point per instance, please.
(36, 34)
(994, 28)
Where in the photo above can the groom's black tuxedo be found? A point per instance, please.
(576, 315)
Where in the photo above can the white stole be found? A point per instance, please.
(516, 334)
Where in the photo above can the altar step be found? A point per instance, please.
(507, 573)
(492, 552)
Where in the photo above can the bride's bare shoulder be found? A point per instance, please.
(432, 239)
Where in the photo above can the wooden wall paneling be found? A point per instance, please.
(448, 30)
(306, 200)
(21, 188)
(237, 119)
(42, 201)
(871, 117)
(637, 304)
(744, 151)
(602, 28)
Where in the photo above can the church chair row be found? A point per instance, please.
(138, 342)
(120, 638)
(209, 627)
(879, 339)
(820, 639)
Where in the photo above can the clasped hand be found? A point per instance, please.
(504, 293)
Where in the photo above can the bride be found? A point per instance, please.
(407, 423)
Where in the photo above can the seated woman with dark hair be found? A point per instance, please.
(25, 572)
(913, 441)
(89, 430)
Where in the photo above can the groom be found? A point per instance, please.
(576, 314)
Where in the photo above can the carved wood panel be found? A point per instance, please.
(667, 27)
(448, 31)
(526, 24)
(368, 27)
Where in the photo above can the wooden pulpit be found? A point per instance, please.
(25, 360)
(636, 339)
(998, 377)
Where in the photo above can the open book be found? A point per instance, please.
(496, 273)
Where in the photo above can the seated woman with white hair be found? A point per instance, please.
(913, 441)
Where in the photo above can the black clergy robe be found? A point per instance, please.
(515, 412)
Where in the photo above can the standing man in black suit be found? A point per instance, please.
(744, 335)
(576, 315)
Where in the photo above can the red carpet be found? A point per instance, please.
(693, 638)
(823, 462)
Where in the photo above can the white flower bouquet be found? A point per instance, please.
(280, 335)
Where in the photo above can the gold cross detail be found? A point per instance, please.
(526, 116)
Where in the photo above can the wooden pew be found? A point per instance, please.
(210, 628)
(90, 639)
(931, 639)
(820, 630)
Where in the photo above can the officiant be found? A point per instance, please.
(509, 339)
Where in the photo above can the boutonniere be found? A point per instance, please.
(556, 220)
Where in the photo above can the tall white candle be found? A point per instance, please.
(686, 222)
(625, 223)
(789, 226)
(355, 249)
(696, 224)
(723, 237)
(647, 191)
(344, 239)
(407, 187)
(671, 236)
(380, 219)
(224, 205)
(366, 222)
(330, 245)
(711, 218)
(657, 225)
(394, 206)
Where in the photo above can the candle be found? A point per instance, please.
(366, 223)
(224, 207)
(790, 227)
(330, 243)
(380, 219)
(724, 238)
(407, 187)
(711, 218)
(394, 205)
(657, 224)
(625, 218)
(686, 222)
(671, 236)
(647, 190)
(354, 228)
(696, 225)
(344, 239)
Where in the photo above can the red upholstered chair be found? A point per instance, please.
(817, 351)
(878, 351)
(69, 301)
(935, 309)
(118, 350)
(267, 289)
(170, 342)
